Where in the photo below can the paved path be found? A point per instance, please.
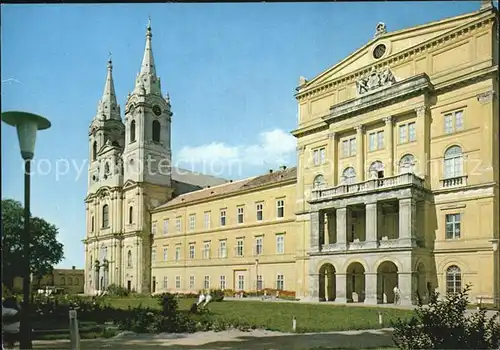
(254, 340)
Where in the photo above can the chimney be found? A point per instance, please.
(283, 167)
(270, 171)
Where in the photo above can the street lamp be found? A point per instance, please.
(27, 124)
(496, 272)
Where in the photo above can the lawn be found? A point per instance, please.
(278, 316)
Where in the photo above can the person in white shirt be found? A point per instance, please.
(397, 295)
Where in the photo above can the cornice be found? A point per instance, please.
(403, 56)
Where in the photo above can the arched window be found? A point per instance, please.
(376, 170)
(132, 131)
(63, 281)
(92, 224)
(407, 164)
(105, 217)
(130, 215)
(453, 162)
(156, 131)
(348, 176)
(129, 258)
(453, 279)
(319, 182)
(70, 281)
(94, 150)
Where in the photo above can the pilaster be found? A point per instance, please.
(340, 287)
(423, 143)
(371, 288)
(407, 221)
(300, 203)
(342, 227)
(332, 159)
(314, 286)
(360, 153)
(371, 224)
(315, 226)
(389, 131)
(405, 281)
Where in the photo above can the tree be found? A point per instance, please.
(46, 251)
(444, 324)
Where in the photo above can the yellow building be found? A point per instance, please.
(71, 281)
(396, 185)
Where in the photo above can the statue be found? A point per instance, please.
(374, 80)
(380, 29)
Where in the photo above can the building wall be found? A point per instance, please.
(71, 280)
(270, 263)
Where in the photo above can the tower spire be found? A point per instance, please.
(108, 105)
(147, 76)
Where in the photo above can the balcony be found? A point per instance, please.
(388, 183)
(451, 182)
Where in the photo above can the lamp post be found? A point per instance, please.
(27, 124)
(496, 273)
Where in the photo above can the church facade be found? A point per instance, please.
(396, 184)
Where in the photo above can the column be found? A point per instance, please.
(342, 227)
(340, 288)
(326, 228)
(333, 157)
(371, 288)
(405, 282)
(315, 227)
(422, 142)
(407, 222)
(360, 153)
(389, 131)
(371, 225)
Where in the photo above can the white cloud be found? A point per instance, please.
(273, 148)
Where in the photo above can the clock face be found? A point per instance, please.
(156, 110)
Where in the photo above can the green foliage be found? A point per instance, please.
(217, 294)
(443, 324)
(46, 251)
(117, 291)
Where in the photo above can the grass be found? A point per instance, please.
(278, 316)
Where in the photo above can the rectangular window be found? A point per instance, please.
(260, 208)
(206, 250)
(239, 247)
(206, 282)
(241, 282)
(412, 133)
(222, 249)
(402, 133)
(192, 222)
(352, 143)
(178, 282)
(153, 254)
(191, 282)
(223, 217)
(345, 148)
(191, 251)
(165, 254)
(376, 140)
(280, 208)
(380, 140)
(260, 283)
(371, 141)
(258, 246)
(453, 226)
(280, 244)
(207, 220)
(349, 147)
(316, 157)
(448, 123)
(322, 155)
(222, 284)
(165, 282)
(165, 226)
(459, 122)
(280, 282)
(177, 253)
(153, 228)
(240, 215)
(178, 224)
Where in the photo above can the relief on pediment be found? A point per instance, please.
(375, 80)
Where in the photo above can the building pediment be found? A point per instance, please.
(387, 44)
(377, 92)
(129, 184)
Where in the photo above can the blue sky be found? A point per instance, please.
(231, 70)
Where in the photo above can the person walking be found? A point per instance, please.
(397, 295)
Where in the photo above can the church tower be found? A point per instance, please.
(103, 201)
(147, 168)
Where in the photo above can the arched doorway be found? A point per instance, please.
(327, 282)
(355, 283)
(387, 279)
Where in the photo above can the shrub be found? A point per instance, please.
(118, 291)
(217, 294)
(444, 325)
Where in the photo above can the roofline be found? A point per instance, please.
(225, 195)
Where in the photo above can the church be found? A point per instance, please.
(396, 183)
